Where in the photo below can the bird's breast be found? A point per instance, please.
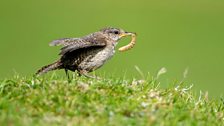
(96, 60)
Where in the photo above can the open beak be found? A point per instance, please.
(127, 34)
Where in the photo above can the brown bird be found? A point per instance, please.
(87, 53)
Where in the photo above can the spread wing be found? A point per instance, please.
(63, 41)
(72, 44)
(78, 45)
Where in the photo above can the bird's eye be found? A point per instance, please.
(116, 32)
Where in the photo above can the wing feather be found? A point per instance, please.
(63, 41)
(78, 45)
(72, 44)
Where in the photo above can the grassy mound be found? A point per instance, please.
(111, 101)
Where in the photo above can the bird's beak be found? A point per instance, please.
(127, 34)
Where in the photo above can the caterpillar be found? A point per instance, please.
(130, 45)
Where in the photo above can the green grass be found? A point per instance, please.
(50, 100)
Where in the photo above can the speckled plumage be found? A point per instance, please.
(87, 53)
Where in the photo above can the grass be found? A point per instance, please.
(51, 100)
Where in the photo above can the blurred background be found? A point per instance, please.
(176, 34)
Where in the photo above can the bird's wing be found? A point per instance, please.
(63, 41)
(81, 44)
(72, 44)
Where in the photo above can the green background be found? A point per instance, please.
(176, 34)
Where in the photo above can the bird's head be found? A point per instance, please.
(115, 33)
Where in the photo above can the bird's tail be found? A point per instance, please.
(50, 67)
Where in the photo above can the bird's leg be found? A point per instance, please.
(67, 74)
(85, 73)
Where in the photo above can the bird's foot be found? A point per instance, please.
(85, 73)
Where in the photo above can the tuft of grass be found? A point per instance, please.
(110, 101)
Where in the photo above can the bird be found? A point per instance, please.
(87, 53)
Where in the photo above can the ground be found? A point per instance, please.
(51, 100)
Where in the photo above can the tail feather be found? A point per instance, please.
(50, 67)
